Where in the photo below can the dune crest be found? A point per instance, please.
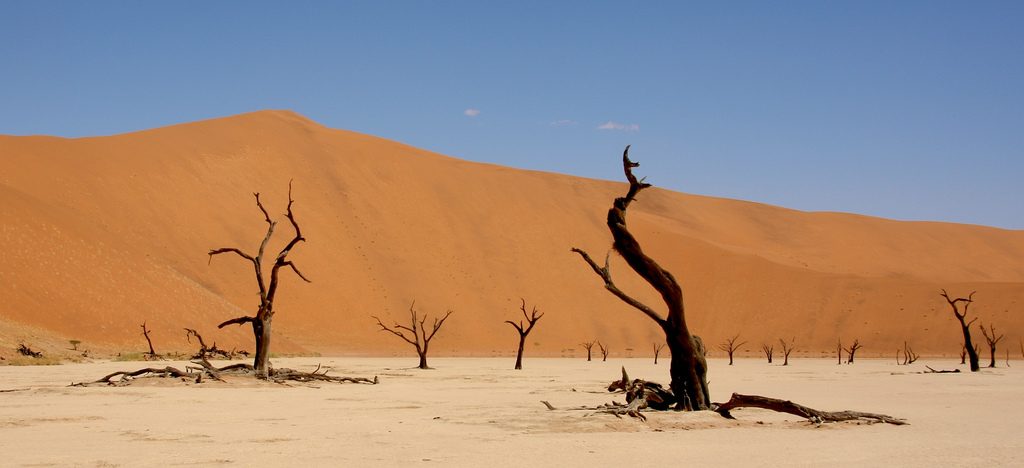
(101, 234)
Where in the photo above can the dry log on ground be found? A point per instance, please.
(26, 351)
(785, 406)
(643, 395)
(204, 368)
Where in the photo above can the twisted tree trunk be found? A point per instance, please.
(688, 368)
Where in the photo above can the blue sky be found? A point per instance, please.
(907, 110)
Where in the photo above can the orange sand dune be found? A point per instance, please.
(101, 234)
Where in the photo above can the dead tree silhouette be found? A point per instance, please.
(689, 387)
(965, 326)
(261, 322)
(589, 346)
(688, 368)
(420, 335)
(657, 350)
(145, 332)
(730, 346)
(769, 352)
(909, 356)
(604, 351)
(787, 348)
(531, 319)
(992, 340)
(852, 350)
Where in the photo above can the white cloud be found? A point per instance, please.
(611, 125)
(471, 112)
(563, 123)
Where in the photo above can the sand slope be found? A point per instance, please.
(100, 234)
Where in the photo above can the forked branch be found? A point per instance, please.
(605, 274)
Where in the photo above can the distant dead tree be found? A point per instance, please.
(265, 313)
(853, 350)
(963, 353)
(909, 356)
(531, 319)
(1007, 358)
(839, 351)
(657, 350)
(769, 352)
(992, 340)
(420, 335)
(589, 346)
(730, 346)
(787, 348)
(1021, 347)
(604, 351)
(74, 344)
(965, 326)
(145, 333)
(689, 367)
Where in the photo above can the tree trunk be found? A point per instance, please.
(992, 356)
(519, 354)
(423, 360)
(688, 370)
(972, 354)
(261, 331)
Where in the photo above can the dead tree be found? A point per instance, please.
(604, 351)
(589, 346)
(965, 325)
(74, 344)
(992, 340)
(787, 348)
(730, 346)
(689, 367)
(420, 336)
(909, 356)
(265, 313)
(531, 319)
(839, 351)
(769, 352)
(657, 350)
(853, 350)
(963, 353)
(145, 332)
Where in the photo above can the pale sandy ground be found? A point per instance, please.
(478, 411)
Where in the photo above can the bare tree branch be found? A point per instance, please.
(605, 274)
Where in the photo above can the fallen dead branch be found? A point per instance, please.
(785, 406)
(644, 395)
(203, 368)
(943, 371)
(26, 351)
